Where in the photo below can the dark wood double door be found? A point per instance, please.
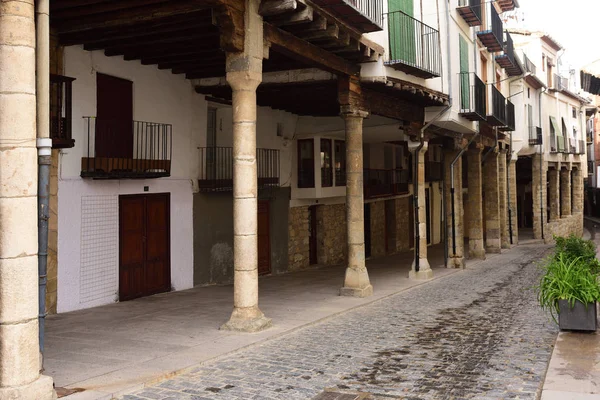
(144, 245)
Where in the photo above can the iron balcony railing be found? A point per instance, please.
(473, 97)
(470, 10)
(572, 146)
(433, 171)
(535, 135)
(491, 30)
(529, 65)
(560, 83)
(61, 89)
(498, 108)
(510, 117)
(385, 182)
(560, 143)
(127, 149)
(581, 147)
(508, 59)
(364, 15)
(414, 46)
(216, 168)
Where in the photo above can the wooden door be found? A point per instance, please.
(465, 87)
(402, 33)
(312, 235)
(264, 240)
(114, 112)
(144, 245)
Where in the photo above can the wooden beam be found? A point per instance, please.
(155, 38)
(392, 107)
(94, 7)
(332, 32)
(298, 17)
(162, 57)
(307, 53)
(192, 62)
(269, 8)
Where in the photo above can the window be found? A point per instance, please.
(528, 93)
(340, 162)
(61, 111)
(306, 163)
(326, 163)
(543, 62)
(574, 112)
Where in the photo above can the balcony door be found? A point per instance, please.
(464, 74)
(402, 31)
(114, 112)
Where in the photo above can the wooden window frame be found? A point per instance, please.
(310, 183)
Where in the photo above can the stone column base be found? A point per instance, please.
(356, 292)
(456, 262)
(40, 389)
(247, 321)
(425, 271)
(493, 250)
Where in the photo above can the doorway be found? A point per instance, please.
(144, 245)
(114, 122)
(264, 238)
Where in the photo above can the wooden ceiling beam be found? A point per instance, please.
(165, 57)
(307, 53)
(392, 107)
(154, 38)
(98, 7)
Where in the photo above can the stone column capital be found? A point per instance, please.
(243, 72)
(348, 111)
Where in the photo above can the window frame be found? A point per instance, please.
(310, 182)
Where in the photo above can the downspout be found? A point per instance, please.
(510, 229)
(44, 145)
(541, 165)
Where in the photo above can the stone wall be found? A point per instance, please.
(403, 222)
(572, 224)
(331, 234)
(378, 229)
(298, 232)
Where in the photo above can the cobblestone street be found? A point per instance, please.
(476, 334)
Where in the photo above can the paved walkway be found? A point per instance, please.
(478, 333)
(123, 346)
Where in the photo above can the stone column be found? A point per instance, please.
(491, 190)
(512, 184)
(565, 192)
(578, 194)
(424, 271)
(455, 235)
(356, 281)
(503, 194)
(474, 205)
(244, 74)
(19, 344)
(538, 188)
(554, 194)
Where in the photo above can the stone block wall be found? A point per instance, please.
(572, 224)
(403, 221)
(377, 228)
(331, 234)
(298, 233)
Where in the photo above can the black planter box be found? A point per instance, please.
(578, 318)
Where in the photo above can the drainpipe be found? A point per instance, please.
(458, 156)
(541, 165)
(510, 230)
(44, 145)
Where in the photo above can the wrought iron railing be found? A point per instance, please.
(529, 65)
(413, 46)
(372, 9)
(470, 11)
(61, 89)
(498, 109)
(433, 171)
(385, 182)
(510, 117)
(491, 33)
(535, 135)
(127, 149)
(472, 97)
(216, 168)
(560, 83)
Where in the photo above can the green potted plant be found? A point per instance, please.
(569, 286)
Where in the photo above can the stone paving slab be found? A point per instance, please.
(477, 334)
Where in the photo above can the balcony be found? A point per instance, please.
(491, 30)
(414, 46)
(572, 146)
(61, 89)
(581, 147)
(216, 169)
(385, 182)
(498, 108)
(510, 118)
(529, 65)
(508, 60)
(535, 135)
(364, 15)
(127, 149)
(589, 131)
(433, 171)
(473, 97)
(559, 83)
(470, 11)
(560, 144)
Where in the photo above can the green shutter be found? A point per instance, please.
(402, 31)
(464, 77)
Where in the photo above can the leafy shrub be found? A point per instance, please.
(567, 278)
(575, 247)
